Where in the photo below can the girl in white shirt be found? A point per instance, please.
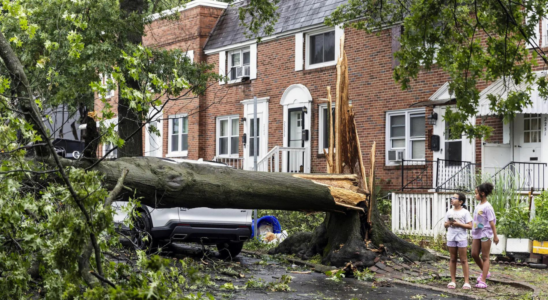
(457, 221)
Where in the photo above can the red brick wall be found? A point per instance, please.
(372, 91)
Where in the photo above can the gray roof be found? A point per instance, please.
(294, 14)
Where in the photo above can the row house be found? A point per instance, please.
(288, 72)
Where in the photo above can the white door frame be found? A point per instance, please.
(159, 118)
(297, 95)
(262, 112)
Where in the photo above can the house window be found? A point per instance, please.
(228, 138)
(105, 82)
(405, 132)
(531, 128)
(453, 147)
(320, 49)
(178, 135)
(239, 62)
(323, 127)
(106, 148)
(254, 134)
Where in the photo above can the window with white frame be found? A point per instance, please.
(239, 63)
(405, 133)
(532, 128)
(178, 135)
(453, 147)
(105, 82)
(228, 137)
(323, 127)
(108, 146)
(320, 49)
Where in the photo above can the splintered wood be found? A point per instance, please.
(343, 188)
(343, 154)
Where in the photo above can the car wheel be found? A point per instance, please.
(140, 233)
(230, 249)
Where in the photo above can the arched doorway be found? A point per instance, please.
(296, 102)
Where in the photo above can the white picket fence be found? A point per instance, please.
(423, 214)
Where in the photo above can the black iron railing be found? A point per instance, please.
(440, 174)
(521, 176)
(456, 177)
(417, 174)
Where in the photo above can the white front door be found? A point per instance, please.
(527, 171)
(261, 134)
(528, 133)
(295, 160)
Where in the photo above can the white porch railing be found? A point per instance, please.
(235, 162)
(285, 159)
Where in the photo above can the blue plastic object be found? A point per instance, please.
(276, 227)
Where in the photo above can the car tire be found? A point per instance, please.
(142, 226)
(230, 249)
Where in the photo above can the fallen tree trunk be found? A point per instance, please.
(162, 184)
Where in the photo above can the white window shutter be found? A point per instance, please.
(299, 43)
(339, 32)
(222, 65)
(253, 61)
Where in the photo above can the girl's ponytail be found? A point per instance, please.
(462, 199)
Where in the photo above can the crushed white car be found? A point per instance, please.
(226, 228)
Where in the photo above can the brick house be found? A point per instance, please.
(288, 73)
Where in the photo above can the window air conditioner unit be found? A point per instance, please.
(395, 155)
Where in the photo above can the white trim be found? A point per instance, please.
(231, 47)
(222, 66)
(259, 100)
(265, 39)
(192, 4)
(179, 153)
(299, 59)
(408, 147)
(321, 134)
(253, 61)
(442, 94)
(307, 64)
(218, 120)
(285, 100)
(160, 127)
